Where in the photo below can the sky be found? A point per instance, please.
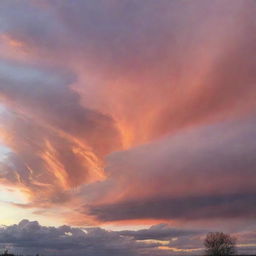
(127, 127)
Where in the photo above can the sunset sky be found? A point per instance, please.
(127, 127)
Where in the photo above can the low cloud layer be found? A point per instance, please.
(159, 232)
(31, 237)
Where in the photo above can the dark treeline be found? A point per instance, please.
(11, 254)
(6, 253)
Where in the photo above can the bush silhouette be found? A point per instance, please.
(219, 244)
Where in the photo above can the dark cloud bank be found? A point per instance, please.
(188, 208)
(31, 237)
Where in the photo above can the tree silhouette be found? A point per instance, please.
(219, 244)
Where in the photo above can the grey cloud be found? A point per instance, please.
(161, 43)
(188, 208)
(31, 237)
(159, 232)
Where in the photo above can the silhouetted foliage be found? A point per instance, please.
(6, 253)
(219, 244)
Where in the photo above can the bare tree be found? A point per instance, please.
(219, 244)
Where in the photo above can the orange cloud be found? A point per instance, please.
(95, 98)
